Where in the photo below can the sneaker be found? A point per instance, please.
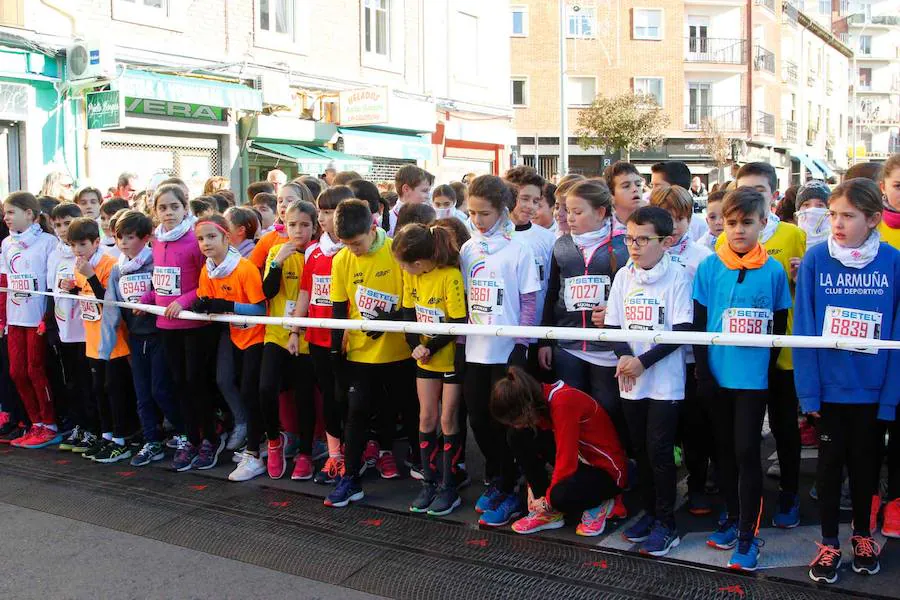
(95, 448)
(370, 454)
(150, 452)
(208, 454)
(809, 438)
(698, 505)
(507, 509)
(445, 502)
(662, 539)
(539, 520)
(416, 472)
(619, 510)
(873, 513)
(276, 464)
(291, 445)
(347, 490)
(184, 456)
(725, 537)
(593, 520)
(303, 468)
(32, 432)
(640, 531)
(424, 499)
(788, 515)
(71, 440)
(746, 556)
(331, 471)
(237, 437)
(173, 442)
(890, 525)
(87, 440)
(11, 432)
(4, 418)
(249, 467)
(386, 465)
(488, 500)
(824, 567)
(774, 470)
(319, 449)
(45, 437)
(865, 555)
(112, 453)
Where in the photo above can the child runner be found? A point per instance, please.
(231, 284)
(740, 289)
(413, 187)
(107, 235)
(23, 268)
(443, 198)
(89, 200)
(559, 424)
(314, 300)
(367, 283)
(714, 220)
(188, 345)
(129, 280)
(812, 213)
(433, 292)
(652, 293)
(502, 286)
(625, 184)
(848, 390)
(242, 228)
(559, 209)
(543, 217)
(266, 204)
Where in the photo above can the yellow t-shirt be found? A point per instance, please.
(788, 241)
(437, 296)
(282, 305)
(888, 235)
(366, 283)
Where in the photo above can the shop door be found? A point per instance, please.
(10, 174)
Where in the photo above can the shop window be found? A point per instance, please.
(281, 25)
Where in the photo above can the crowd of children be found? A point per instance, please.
(116, 384)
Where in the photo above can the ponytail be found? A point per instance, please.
(27, 201)
(426, 242)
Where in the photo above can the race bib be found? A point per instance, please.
(321, 290)
(747, 320)
(64, 275)
(425, 314)
(21, 283)
(134, 285)
(370, 302)
(289, 311)
(645, 313)
(90, 311)
(585, 292)
(167, 281)
(486, 297)
(852, 323)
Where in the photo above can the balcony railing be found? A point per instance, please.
(727, 51)
(765, 123)
(788, 71)
(763, 60)
(789, 14)
(770, 4)
(861, 19)
(723, 118)
(789, 131)
(811, 135)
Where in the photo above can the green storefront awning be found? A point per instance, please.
(823, 166)
(191, 90)
(341, 161)
(390, 145)
(311, 159)
(813, 168)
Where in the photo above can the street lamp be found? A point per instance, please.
(563, 110)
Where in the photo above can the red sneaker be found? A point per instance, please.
(370, 454)
(890, 527)
(276, 463)
(4, 418)
(386, 465)
(33, 432)
(303, 468)
(43, 438)
(619, 511)
(809, 438)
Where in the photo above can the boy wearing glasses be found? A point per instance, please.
(651, 293)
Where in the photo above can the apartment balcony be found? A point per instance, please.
(770, 4)
(723, 118)
(789, 72)
(861, 19)
(789, 131)
(811, 135)
(765, 123)
(724, 51)
(763, 60)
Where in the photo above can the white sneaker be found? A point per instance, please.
(250, 467)
(237, 437)
(774, 470)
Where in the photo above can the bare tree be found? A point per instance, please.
(716, 144)
(623, 123)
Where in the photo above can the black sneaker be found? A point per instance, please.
(112, 452)
(72, 439)
(88, 439)
(10, 432)
(445, 501)
(424, 499)
(95, 448)
(416, 472)
(462, 477)
(824, 569)
(865, 555)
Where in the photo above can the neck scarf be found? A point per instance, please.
(890, 216)
(380, 239)
(496, 238)
(754, 259)
(107, 240)
(855, 258)
(268, 229)
(246, 247)
(226, 267)
(65, 250)
(594, 238)
(444, 213)
(95, 259)
(177, 232)
(28, 237)
(651, 275)
(328, 246)
(816, 224)
(127, 265)
(279, 227)
(680, 246)
(769, 230)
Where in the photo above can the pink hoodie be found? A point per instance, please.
(184, 255)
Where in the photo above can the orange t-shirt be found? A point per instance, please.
(91, 312)
(243, 285)
(265, 243)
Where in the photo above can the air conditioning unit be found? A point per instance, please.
(90, 59)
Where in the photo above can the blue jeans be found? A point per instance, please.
(152, 385)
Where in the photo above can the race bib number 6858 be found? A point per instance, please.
(747, 320)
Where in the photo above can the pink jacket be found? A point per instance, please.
(178, 284)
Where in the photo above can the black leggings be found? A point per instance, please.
(77, 380)
(247, 366)
(191, 357)
(783, 408)
(331, 379)
(696, 433)
(278, 365)
(738, 416)
(652, 425)
(113, 390)
(846, 438)
(500, 467)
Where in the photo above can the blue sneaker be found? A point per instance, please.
(509, 508)
(725, 537)
(662, 539)
(319, 449)
(746, 556)
(488, 500)
(790, 518)
(347, 490)
(640, 531)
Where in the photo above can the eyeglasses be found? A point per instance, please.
(641, 241)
